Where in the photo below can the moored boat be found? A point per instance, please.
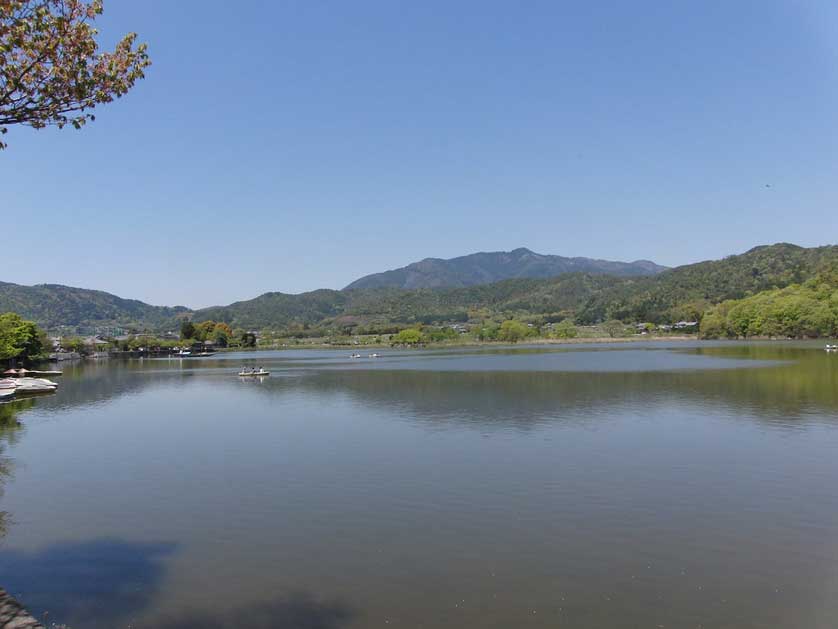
(261, 372)
(35, 385)
(6, 394)
(24, 373)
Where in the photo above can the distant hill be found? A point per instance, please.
(54, 305)
(278, 309)
(486, 268)
(426, 305)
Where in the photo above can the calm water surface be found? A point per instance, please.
(576, 486)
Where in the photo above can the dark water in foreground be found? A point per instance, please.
(589, 487)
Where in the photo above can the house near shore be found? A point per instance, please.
(686, 325)
(95, 341)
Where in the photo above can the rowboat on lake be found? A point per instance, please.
(244, 373)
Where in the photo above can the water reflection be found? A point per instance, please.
(781, 382)
(693, 493)
(90, 584)
(295, 611)
(10, 431)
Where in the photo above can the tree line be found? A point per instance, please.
(219, 333)
(808, 310)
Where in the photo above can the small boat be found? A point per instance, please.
(8, 383)
(261, 372)
(6, 394)
(355, 356)
(182, 354)
(35, 385)
(375, 355)
(831, 348)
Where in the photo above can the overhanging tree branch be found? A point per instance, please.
(50, 66)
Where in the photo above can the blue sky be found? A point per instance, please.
(296, 145)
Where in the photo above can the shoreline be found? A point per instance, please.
(470, 343)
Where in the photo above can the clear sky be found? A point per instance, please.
(292, 145)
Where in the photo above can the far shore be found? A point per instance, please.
(469, 343)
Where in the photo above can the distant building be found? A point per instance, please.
(95, 341)
(683, 325)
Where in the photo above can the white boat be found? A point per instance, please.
(375, 355)
(35, 385)
(182, 354)
(261, 372)
(7, 383)
(6, 394)
(41, 381)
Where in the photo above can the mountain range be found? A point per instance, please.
(639, 291)
(489, 267)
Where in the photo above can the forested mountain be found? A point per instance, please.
(278, 309)
(487, 268)
(389, 305)
(54, 305)
(687, 291)
(681, 293)
(684, 292)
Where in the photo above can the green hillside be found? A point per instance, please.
(278, 309)
(53, 305)
(685, 292)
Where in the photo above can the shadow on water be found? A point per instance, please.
(295, 611)
(88, 585)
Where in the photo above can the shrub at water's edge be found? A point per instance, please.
(21, 339)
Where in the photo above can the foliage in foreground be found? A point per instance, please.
(51, 72)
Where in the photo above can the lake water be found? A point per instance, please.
(681, 485)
